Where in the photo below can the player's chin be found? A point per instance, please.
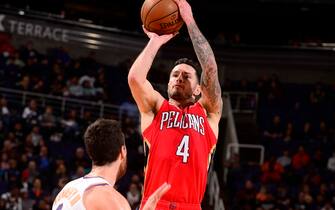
(176, 95)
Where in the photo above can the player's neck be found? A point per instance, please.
(107, 172)
(182, 103)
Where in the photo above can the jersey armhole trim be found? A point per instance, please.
(159, 111)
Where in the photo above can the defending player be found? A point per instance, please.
(105, 145)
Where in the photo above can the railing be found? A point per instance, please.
(244, 102)
(230, 130)
(230, 137)
(214, 191)
(236, 148)
(61, 105)
(249, 146)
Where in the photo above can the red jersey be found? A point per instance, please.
(180, 142)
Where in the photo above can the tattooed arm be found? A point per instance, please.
(210, 86)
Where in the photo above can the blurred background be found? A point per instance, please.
(64, 64)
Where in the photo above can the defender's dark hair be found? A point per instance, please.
(103, 141)
(192, 63)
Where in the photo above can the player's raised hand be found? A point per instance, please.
(185, 11)
(156, 196)
(161, 38)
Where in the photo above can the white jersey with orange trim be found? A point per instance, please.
(71, 196)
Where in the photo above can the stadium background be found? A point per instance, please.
(65, 63)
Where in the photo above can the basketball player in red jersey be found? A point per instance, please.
(181, 132)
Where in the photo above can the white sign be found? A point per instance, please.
(36, 30)
(1, 19)
(26, 28)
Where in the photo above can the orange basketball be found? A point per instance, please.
(161, 16)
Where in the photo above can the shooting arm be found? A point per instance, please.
(210, 86)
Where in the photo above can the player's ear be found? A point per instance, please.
(197, 91)
(123, 153)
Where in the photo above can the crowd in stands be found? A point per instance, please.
(41, 150)
(297, 128)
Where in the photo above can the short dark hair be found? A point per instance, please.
(192, 63)
(103, 141)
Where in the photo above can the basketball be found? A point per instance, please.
(161, 16)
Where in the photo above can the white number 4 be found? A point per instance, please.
(183, 148)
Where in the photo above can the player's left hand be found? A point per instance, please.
(162, 39)
(156, 196)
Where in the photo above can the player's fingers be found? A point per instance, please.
(144, 29)
(176, 33)
(161, 191)
(177, 2)
(156, 196)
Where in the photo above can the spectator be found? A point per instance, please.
(17, 60)
(246, 197)
(4, 108)
(25, 84)
(284, 200)
(73, 89)
(285, 159)
(36, 192)
(27, 203)
(30, 173)
(87, 84)
(27, 50)
(48, 120)
(133, 195)
(87, 119)
(18, 132)
(317, 96)
(5, 114)
(271, 171)
(128, 109)
(60, 172)
(300, 160)
(44, 162)
(58, 85)
(79, 172)
(275, 94)
(264, 198)
(323, 136)
(30, 113)
(34, 139)
(70, 124)
(331, 163)
(12, 199)
(307, 133)
(275, 131)
(80, 159)
(38, 85)
(13, 171)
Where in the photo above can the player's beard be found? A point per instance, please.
(122, 169)
(178, 95)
